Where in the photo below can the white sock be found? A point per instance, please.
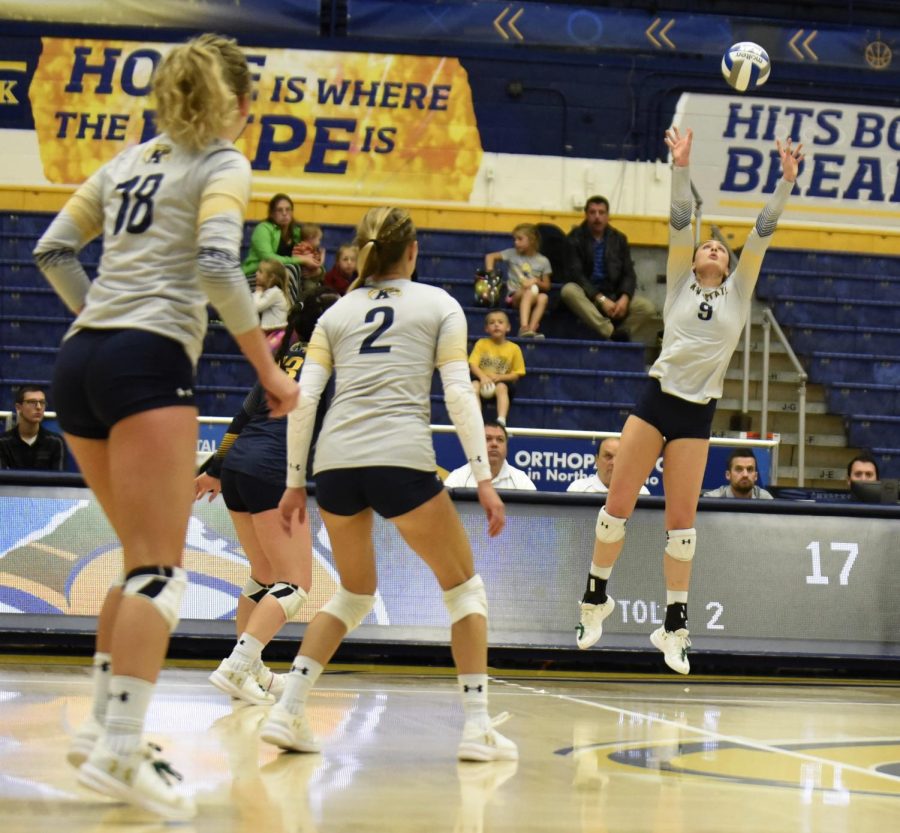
(129, 699)
(303, 676)
(247, 650)
(474, 691)
(102, 676)
(600, 572)
(676, 597)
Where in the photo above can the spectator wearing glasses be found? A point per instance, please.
(28, 445)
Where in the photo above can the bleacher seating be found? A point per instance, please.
(841, 313)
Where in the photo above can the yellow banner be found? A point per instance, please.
(324, 123)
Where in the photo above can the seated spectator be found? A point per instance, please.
(606, 455)
(271, 298)
(741, 474)
(496, 363)
(343, 273)
(600, 281)
(310, 246)
(276, 238)
(862, 467)
(528, 275)
(28, 445)
(503, 475)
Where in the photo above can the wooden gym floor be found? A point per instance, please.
(599, 754)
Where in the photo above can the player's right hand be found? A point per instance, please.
(493, 507)
(282, 393)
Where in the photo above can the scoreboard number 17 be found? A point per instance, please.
(817, 577)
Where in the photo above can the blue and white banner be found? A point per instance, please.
(851, 173)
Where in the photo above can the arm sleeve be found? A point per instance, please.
(80, 221)
(464, 411)
(681, 241)
(220, 229)
(747, 270)
(302, 420)
(241, 418)
(314, 375)
(59, 457)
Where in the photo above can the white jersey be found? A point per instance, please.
(150, 202)
(703, 325)
(594, 485)
(509, 477)
(383, 342)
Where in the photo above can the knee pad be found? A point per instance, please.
(255, 591)
(609, 529)
(680, 543)
(350, 608)
(163, 587)
(466, 599)
(289, 596)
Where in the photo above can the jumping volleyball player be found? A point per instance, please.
(171, 213)
(704, 314)
(384, 340)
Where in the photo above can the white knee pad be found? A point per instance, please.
(609, 529)
(466, 599)
(680, 543)
(350, 608)
(289, 596)
(255, 591)
(163, 587)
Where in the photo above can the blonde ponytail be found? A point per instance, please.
(197, 87)
(382, 238)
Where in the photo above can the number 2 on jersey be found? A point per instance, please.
(137, 216)
(387, 318)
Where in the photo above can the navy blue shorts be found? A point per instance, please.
(389, 490)
(103, 376)
(675, 418)
(246, 493)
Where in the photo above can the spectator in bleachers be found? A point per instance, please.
(528, 275)
(271, 299)
(496, 364)
(862, 467)
(600, 281)
(310, 246)
(276, 237)
(741, 473)
(598, 483)
(28, 445)
(707, 306)
(503, 475)
(343, 272)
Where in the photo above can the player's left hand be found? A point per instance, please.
(791, 157)
(493, 507)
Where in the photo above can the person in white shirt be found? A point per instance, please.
(598, 483)
(503, 475)
(741, 474)
(705, 311)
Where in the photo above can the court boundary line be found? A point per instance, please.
(708, 733)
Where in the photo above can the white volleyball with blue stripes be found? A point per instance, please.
(745, 66)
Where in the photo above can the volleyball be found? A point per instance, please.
(745, 66)
(487, 390)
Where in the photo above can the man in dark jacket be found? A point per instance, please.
(28, 445)
(600, 279)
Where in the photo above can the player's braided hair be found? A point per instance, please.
(382, 238)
